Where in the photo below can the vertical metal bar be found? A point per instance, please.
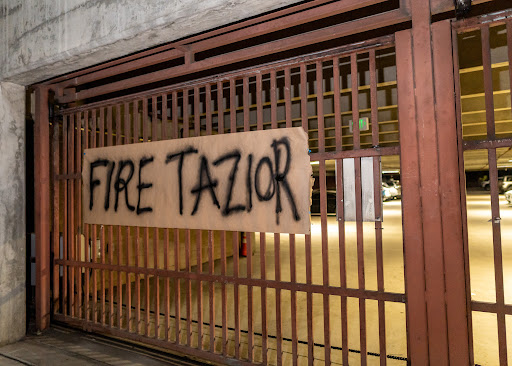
(146, 281)
(145, 138)
(232, 114)
(188, 283)
(224, 303)
(42, 207)
(65, 217)
(136, 139)
(450, 191)
(462, 190)
(119, 231)
(101, 123)
(71, 212)
(93, 233)
(78, 193)
(509, 53)
(250, 331)
(417, 329)
(166, 289)
(164, 117)
(137, 278)
(211, 265)
(154, 119)
(127, 140)
(355, 100)
(87, 228)
(167, 304)
(359, 216)
(337, 107)
(175, 122)
(156, 280)
(56, 220)
(488, 87)
(259, 126)
(156, 239)
(377, 198)
(111, 275)
(77, 207)
(498, 258)
(293, 293)
(110, 243)
(109, 127)
(340, 209)
(177, 282)
(360, 259)
(325, 259)
(199, 246)
(323, 206)
(309, 295)
(277, 236)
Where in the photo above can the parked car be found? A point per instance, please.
(505, 183)
(486, 184)
(508, 196)
(390, 192)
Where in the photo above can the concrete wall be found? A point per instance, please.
(12, 212)
(44, 38)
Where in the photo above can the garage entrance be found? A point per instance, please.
(335, 296)
(382, 279)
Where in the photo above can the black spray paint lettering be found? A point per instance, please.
(227, 210)
(203, 168)
(109, 180)
(121, 184)
(93, 183)
(181, 155)
(142, 185)
(269, 180)
(280, 177)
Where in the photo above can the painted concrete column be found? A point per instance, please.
(12, 212)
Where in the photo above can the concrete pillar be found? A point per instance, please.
(12, 212)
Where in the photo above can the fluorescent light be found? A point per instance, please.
(390, 172)
(314, 163)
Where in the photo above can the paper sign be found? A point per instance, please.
(251, 181)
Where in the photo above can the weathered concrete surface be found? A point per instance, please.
(45, 38)
(12, 212)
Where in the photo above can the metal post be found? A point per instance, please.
(42, 208)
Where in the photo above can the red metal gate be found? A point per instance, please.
(331, 296)
(483, 54)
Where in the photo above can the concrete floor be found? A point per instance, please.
(64, 346)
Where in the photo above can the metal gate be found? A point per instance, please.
(336, 296)
(483, 55)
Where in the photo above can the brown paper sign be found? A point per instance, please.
(251, 181)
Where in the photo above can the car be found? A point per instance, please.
(390, 192)
(487, 186)
(505, 183)
(508, 196)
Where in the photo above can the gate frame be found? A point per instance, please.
(433, 236)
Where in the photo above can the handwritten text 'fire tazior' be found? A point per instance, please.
(254, 181)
